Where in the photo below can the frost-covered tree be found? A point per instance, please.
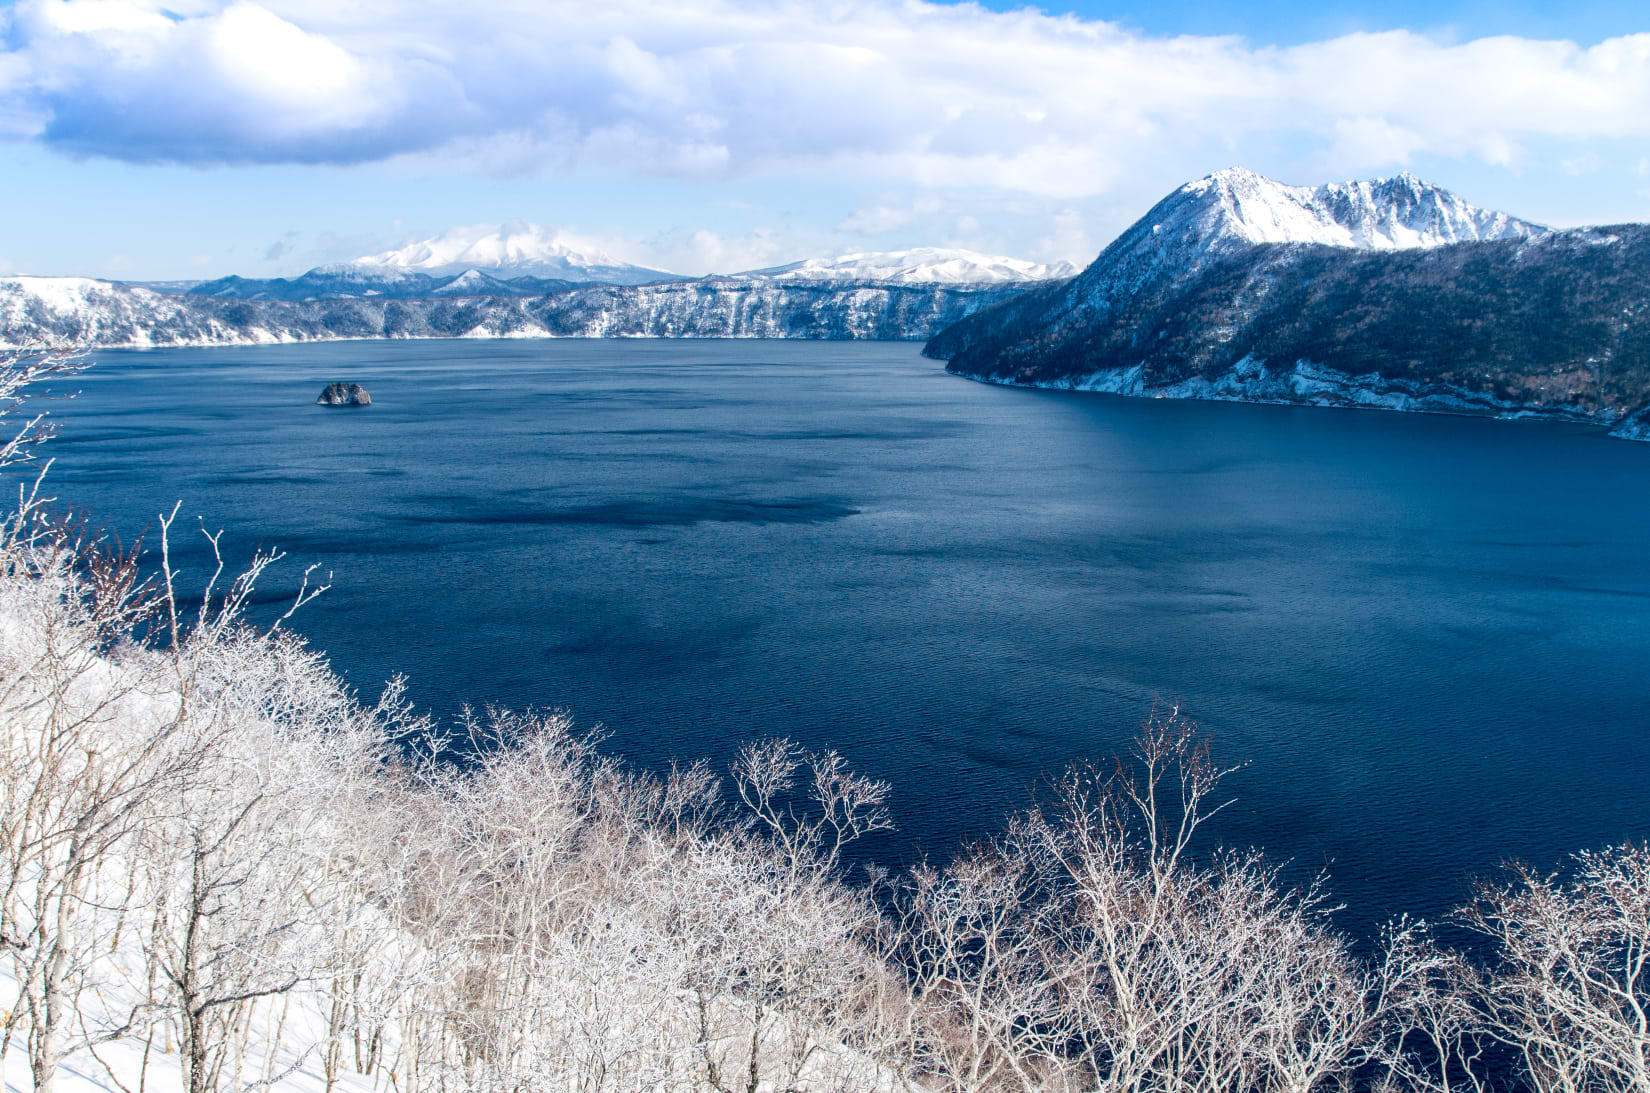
(1570, 990)
(212, 850)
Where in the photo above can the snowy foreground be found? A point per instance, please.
(220, 871)
(125, 1065)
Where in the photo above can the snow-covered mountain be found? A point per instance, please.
(1233, 211)
(504, 251)
(503, 265)
(350, 283)
(1399, 213)
(918, 266)
(83, 312)
(1236, 209)
(1386, 293)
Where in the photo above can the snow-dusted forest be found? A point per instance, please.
(221, 871)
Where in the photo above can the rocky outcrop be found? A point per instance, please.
(344, 394)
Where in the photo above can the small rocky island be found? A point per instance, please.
(344, 394)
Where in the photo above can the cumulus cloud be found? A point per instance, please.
(705, 251)
(1068, 239)
(281, 247)
(926, 94)
(881, 218)
(875, 220)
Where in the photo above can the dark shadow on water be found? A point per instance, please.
(671, 513)
(1426, 636)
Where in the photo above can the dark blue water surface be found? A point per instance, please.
(1428, 636)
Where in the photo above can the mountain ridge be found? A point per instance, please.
(361, 278)
(506, 250)
(86, 313)
(1389, 293)
(916, 265)
(1400, 212)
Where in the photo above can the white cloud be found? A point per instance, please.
(876, 220)
(882, 218)
(285, 245)
(1585, 164)
(903, 91)
(1372, 142)
(705, 251)
(1068, 239)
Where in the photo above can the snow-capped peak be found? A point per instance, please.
(470, 281)
(1397, 213)
(920, 265)
(513, 248)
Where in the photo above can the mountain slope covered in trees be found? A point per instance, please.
(88, 313)
(1450, 309)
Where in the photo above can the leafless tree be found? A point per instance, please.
(1570, 991)
(87, 750)
(1095, 946)
(205, 838)
(24, 374)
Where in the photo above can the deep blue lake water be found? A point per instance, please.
(1428, 636)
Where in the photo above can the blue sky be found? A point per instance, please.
(1290, 22)
(261, 137)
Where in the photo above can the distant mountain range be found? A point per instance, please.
(527, 260)
(494, 281)
(919, 266)
(1392, 293)
(347, 282)
(79, 311)
(1389, 293)
(505, 252)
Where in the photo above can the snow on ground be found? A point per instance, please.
(124, 1066)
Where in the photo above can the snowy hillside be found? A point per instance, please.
(220, 872)
(58, 310)
(83, 312)
(1398, 213)
(921, 265)
(352, 283)
(1389, 293)
(510, 249)
(1236, 209)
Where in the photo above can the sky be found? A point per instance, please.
(147, 140)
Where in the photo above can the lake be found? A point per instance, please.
(1427, 636)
